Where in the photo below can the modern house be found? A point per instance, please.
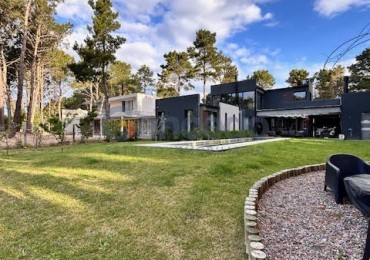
(135, 112)
(186, 113)
(293, 111)
(288, 111)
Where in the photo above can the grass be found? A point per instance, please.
(117, 201)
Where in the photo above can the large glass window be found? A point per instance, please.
(127, 106)
(231, 98)
(247, 100)
(215, 100)
(299, 95)
(259, 100)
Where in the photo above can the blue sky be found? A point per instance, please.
(278, 35)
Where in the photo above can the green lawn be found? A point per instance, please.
(139, 203)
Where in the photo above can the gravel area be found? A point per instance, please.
(298, 220)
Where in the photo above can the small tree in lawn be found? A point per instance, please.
(85, 125)
(57, 128)
(6, 135)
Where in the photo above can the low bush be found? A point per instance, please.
(198, 134)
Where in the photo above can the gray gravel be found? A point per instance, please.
(298, 220)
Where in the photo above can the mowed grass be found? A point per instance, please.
(117, 201)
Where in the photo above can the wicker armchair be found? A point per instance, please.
(339, 166)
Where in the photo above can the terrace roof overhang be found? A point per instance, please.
(299, 112)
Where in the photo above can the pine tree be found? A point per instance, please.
(296, 77)
(99, 49)
(360, 72)
(226, 71)
(204, 56)
(329, 83)
(177, 71)
(263, 78)
(144, 78)
(120, 79)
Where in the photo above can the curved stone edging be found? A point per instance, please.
(252, 240)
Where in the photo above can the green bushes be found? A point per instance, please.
(198, 134)
(111, 130)
(85, 125)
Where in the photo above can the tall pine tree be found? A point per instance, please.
(177, 71)
(297, 76)
(99, 49)
(329, 83)
(204, 56)
(225, 69)
(360, 72)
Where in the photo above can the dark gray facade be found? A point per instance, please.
(286, 112)
(355, 115)
(175, 110)
(293, 112)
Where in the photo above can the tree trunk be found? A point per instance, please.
(2, 84)
(204, 83)
(204, 89)
(41, 97)
(21, 68)
(60, 83)
(32, 93)
(96, 91)
(9, 99)
(105, 87)
(91, 97)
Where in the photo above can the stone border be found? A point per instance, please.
(211, 145)
(252, 240)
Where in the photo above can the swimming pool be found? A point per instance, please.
(214, 145)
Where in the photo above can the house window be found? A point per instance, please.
(161, 122)
(189, 121)
(259, 100)
(215, 100)
(234, 122)
(299, 95)
(127, 106)
(225, 121)
(144, 126)
(247, 100)
(212, 121)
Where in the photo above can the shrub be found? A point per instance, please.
(111, 130)
(198, 134)
(85, 125)
(57, 128)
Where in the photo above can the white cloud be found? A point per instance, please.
(155, 27)
(78, 35)
(332, 8)
(138, 53)
(75, 10)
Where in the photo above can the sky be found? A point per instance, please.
(277, 35)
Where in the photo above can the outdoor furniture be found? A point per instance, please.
(358, 190)
(340, 166)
